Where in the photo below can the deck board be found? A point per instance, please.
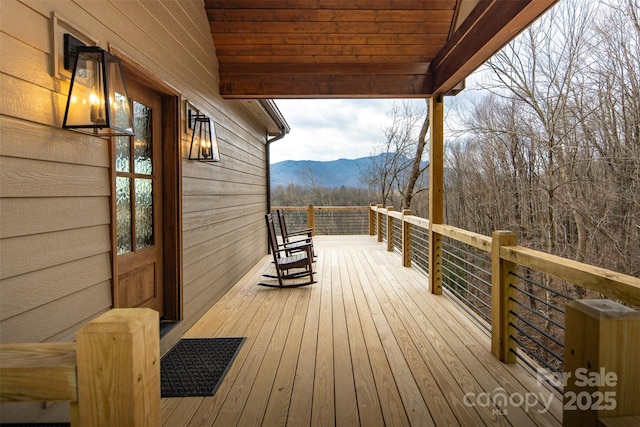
(365, 345)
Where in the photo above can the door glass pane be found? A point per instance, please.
(144, 212)
(123, 157)
(123, 207)
(142, 141)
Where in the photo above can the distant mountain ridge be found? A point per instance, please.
(334, 173)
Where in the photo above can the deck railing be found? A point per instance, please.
(328, 220)
(523, 298)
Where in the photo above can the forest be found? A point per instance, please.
(546, 142)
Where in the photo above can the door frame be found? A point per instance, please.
(172, 280)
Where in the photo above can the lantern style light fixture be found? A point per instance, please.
(204, 144)
(98, 103)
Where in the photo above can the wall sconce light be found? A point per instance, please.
(98, 103)
(204, 144)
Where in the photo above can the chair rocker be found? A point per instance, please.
(305, 233)
(285, 261)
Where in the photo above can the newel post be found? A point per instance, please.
(406, 239)
(601, 350)
(379, 223)
(118, 356)
(372, 220)
(311, 219)
(501, 292)
(389, 229)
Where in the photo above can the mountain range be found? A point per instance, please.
(334, 173)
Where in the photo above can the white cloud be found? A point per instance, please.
(329, 129)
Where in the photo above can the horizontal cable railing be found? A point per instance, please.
(328, 220)
(466, 273)
(419, 249)
(517, 294)
(397, 235)
(538, 318)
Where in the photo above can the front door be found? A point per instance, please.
(138, 192)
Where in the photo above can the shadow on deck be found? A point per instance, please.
(366, 345)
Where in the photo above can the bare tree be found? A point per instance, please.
(394, 163)
(553, 150)
(416, 166)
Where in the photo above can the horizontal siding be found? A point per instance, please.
(19, 295)
(55, 188)
(25, 254)
(56, 316)
(26, 216)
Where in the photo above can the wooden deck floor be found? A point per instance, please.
(366, 345)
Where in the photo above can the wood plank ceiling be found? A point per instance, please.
(358, 48)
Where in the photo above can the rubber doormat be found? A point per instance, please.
(197, 366)
(36, 425)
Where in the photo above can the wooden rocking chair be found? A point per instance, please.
(285, 261)
(305, 233)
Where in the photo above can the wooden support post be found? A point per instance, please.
(311, 219)
(119, 369)
(389, 229)
(372, 220)
(379, 223)
(501, 291)
(436, 190)
(406, 239)
(601, 348)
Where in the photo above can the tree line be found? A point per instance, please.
(552, 148)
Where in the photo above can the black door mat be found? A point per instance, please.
(37, 425)
(196, 366)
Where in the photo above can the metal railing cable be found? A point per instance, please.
(466, 274)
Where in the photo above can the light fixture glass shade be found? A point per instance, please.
(98, 103)
(204, 144)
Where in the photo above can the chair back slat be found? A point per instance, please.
(283, 224)
(273, 240)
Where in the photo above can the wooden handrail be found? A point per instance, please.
(41, 372)
(607, 282)
(468, 237)
(323, 208)
(111, 375)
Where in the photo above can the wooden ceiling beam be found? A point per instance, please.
(311, 51)
(329, 39)
(331, 4)
(324, 59)
(328, 68)
(325, 15)
(491, 25)
(307, 85)
(328, 28)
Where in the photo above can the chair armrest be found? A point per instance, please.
(300, 244)
(307, 231)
